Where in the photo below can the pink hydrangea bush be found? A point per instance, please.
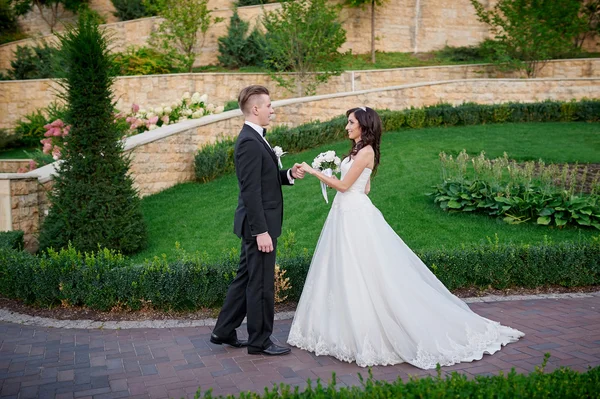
(188, 107)
(139, 120)
(55, 134)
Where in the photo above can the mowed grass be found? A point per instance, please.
(200, 216)
(16, 153)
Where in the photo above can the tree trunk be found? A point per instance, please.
(373, 31)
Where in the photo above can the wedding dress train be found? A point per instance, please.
(368, 298)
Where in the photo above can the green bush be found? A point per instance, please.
(104, 279)
(8, 139)
(9, 27)
(134, 9)
(142, 61)
(39, 158)
(561, 383)
(463, 54)
(317, 133)
(30, 129)
(214, 160)
(238, 48)
(12, 239)
(568, 264)
(35, 62)
(244, 3)
(232, 104)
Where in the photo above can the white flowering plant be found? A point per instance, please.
(192, 106)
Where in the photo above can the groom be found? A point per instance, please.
(257, 222)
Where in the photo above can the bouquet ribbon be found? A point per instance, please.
(328, 173)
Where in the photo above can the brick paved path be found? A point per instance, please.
(161, 363)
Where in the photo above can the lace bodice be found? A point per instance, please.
(361, 183)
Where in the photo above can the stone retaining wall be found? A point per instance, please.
(400, 25)
(18, 98)
(33, 23)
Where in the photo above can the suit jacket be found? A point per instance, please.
(260, 203)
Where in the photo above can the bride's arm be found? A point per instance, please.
(361, 160)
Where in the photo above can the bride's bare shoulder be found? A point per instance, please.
(366, 150)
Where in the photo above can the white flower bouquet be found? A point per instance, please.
(328, 163)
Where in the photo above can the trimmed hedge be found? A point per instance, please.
(105, 279)
(12, 239)
(561, 383)
(317, 133)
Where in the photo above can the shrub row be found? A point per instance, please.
(317, 133)
(561, 383)
(104, 280)
(12, 239)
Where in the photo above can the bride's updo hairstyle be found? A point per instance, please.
(370, 126)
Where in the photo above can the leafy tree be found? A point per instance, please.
(9, 27)
(8, 18)
(530, 32)
(590, 15)
(304, 37)
(177, 35)
(239, 49)
(93, 202)
(373, 3)
(50, 10)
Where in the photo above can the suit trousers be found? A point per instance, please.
(251, 294)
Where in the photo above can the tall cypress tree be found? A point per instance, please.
(93, 201)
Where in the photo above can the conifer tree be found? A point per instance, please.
(93, 201)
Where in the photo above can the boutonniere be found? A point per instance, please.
(279, 153)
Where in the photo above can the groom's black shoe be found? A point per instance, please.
(271, 350)
(229, 341)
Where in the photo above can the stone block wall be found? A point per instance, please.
(25, 208)
(400, 25)
(33, 23)
(18, 98)
(14, 165)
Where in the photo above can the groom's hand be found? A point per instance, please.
(297, 171)
(264, 242)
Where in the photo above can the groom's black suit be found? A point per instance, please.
(259, 210)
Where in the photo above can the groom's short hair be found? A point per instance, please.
(247, 93)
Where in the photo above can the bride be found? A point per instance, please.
(368, 298)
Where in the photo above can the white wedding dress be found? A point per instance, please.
(368, 298)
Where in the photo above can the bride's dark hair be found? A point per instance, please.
(370, 126)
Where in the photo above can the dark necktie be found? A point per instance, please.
(264, 133)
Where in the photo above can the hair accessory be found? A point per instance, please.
(363, 108)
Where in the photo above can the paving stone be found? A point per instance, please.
(159, 363)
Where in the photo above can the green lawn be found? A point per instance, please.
(200, 216)
(15, 153)
(363, 61)
(353, 62)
